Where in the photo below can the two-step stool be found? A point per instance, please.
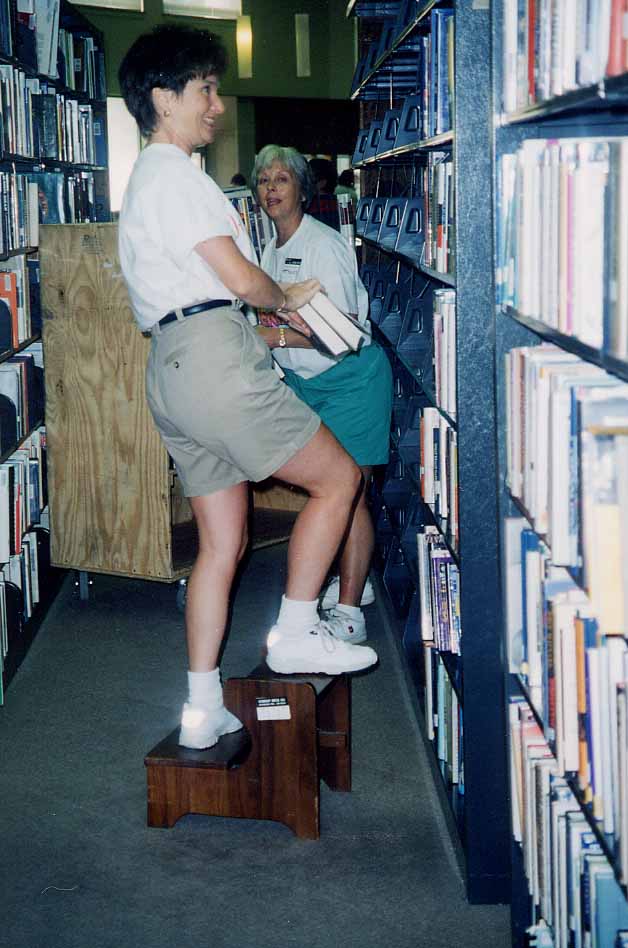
(297, 730)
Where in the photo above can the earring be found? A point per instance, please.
(166, 113)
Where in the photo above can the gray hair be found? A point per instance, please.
(291, 159)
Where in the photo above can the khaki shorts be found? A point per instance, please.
(222, 411)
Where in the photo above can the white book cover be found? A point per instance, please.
(512, 528)
(349, 329)
(429, 693)
(325, 334)
(5, 518)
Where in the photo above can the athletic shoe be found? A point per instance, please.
(201, 729)
(332, 590)
(317, 651)
(344, 627)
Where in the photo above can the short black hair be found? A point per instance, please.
(167, 58)
(346, 178)
(324, 170)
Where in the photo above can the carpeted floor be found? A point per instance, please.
(103, 682)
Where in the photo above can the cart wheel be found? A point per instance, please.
(182, 593)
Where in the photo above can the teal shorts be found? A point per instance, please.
(354, 400)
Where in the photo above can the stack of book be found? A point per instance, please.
(444, 721)
(439, 470)
(576, 899)
(562, 241)
(439, 592)
(567, 422)
(335, 332)
(444, 322)
(438, 191)
(37, 120)
(258, 224)
(545, 54)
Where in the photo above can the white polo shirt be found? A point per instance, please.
(169, 207)
(317, 251)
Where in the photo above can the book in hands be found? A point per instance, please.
(335, 332)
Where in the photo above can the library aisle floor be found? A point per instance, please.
(102, 683)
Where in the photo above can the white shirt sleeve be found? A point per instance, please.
(191, 212)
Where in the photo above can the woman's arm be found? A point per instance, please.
(294, 340)
(250, 284)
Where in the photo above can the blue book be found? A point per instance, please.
(609, 907)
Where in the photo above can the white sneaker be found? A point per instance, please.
(201, 729)
(316, 652)
(332, 590)
(344, 627)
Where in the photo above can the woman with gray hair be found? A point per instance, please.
(224, 416)
(352, 395)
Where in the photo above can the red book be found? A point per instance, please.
(8, 292)
(615, 64)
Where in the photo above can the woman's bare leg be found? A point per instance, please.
(357, 551)
(332, 479)
(221, 519)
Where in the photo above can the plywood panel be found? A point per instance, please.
(278, 496)
(108, 471)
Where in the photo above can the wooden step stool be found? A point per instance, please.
(297, 731)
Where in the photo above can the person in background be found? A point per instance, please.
(352, 395)
(345, 185)
(323, 204)
(238, 180)
(223, 414)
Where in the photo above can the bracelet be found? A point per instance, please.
(282, 337)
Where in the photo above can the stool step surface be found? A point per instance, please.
(230, 751)
(319, 683)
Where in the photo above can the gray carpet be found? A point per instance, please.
(103, 683)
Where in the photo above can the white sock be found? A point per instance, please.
(205, 690)
(353, 612)
(297, 616)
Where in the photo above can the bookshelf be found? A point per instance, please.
(560, 112)
(429, 272)
(53, 158)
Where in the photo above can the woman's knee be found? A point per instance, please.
(344, 480)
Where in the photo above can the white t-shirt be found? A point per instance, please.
(317, 251)
(169, 207)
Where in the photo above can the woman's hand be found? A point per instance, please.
(297, 294)
(297, 322)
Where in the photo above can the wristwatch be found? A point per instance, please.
(282, 337)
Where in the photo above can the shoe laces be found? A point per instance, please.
(326, 635)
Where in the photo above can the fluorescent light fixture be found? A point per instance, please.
(302, 35)
(244, 47)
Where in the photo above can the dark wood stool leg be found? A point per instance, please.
(334, 734)
(282, 773)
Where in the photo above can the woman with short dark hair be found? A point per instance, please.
(219, 406)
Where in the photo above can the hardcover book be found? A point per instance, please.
(335, 331)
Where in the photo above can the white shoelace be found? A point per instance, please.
(330, 642)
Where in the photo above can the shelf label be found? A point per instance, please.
(272, 709)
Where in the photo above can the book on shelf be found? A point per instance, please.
(258, 224)
(550, 49)
(562, 237)
(572, 885)
(335, 331)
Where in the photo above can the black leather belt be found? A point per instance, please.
(193, 310)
